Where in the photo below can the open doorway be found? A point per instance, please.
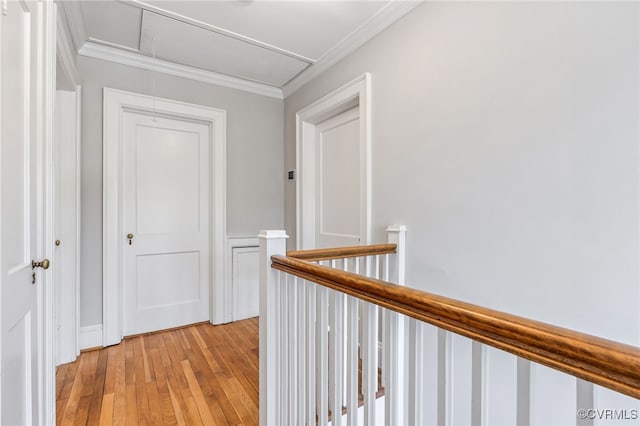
(66, 200)
(334, 168)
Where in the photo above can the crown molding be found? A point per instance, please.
(115, 45)
(66, 51)
(74, 18)
(107, 53)
(376, 24)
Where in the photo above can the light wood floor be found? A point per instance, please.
(198, 375)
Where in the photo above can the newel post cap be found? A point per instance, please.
(270, 234)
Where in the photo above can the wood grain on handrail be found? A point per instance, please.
(342, 252)
(604, 362)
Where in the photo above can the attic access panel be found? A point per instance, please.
(306, 28)
(100, 17)
(188, 44)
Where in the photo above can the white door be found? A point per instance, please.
(165, 217)
(19, 234)
(338, 180)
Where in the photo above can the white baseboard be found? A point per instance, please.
(91, 336)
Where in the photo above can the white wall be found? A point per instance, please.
(505, 136)
(255, 172)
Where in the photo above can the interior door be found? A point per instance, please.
(338, 175)
(165, 235)
(19, 162)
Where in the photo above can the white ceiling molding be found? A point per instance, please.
(381, 20)
(107, 53)
(75, 20)
(222, 31)
(66, 51)
(114, 45)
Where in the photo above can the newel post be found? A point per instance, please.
(397, 234)
(272, 242)
(395, 388)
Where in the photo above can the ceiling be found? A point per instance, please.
(259, 45)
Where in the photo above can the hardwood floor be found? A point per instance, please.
(197, 375)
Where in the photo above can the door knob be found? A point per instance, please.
(130, 237)
(44, 264)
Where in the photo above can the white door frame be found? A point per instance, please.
(116, 102)
(47, 98)
(67, 293)
(356, 93)
(67, 341)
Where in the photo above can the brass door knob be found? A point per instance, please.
(44, 264)
(130, 237)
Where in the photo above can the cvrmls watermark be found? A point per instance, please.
(608, 414)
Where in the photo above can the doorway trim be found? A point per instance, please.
(67, 287)
(354, 94)
(116, 102)
(67, 342)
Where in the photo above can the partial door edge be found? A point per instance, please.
(67, 226)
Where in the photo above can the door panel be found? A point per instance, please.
(338, 181)
(18, 197)
(166, 209)
(168, 186)
(17, 365)
(245, 282)
(157, 275)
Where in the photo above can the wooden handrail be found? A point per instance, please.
(342, 252)
(604, 362)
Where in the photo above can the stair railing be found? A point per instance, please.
(343, 341)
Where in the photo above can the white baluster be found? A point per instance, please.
(444, 378)
(301, 350)
(352, 360)
(336, 315)
(345, 344)
(415, 368)
(523, 410)
(478, 382)
(584, 401)
(429, 380)
(293, 309)
(385, 268)
(278, 340)
(369, 361)
(283, 372)
(271, 243)
(311, 353)
(322, 359)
